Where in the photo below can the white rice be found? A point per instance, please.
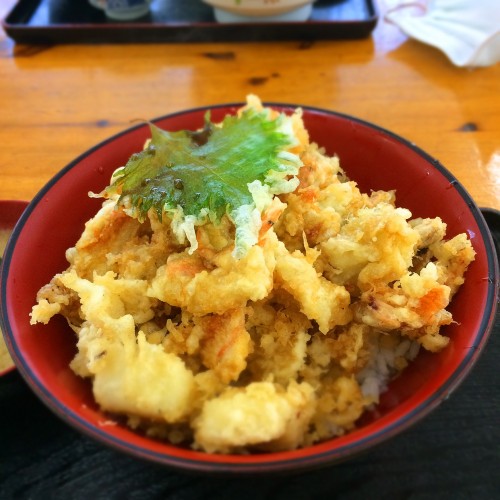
(376, 375)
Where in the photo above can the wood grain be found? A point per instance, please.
(58, 101)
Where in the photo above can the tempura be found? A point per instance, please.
(275, 347)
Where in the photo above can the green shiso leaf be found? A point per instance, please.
(207, 172)
(207, 169)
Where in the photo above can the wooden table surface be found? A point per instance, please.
(58, 101)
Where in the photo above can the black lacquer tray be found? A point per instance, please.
(76, 21)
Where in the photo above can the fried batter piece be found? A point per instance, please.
(222, 283)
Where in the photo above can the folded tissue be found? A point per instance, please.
(467, 31)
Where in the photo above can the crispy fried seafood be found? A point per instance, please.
(277, 348)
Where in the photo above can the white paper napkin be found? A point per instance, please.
(467, 31)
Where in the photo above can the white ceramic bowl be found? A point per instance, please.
(261, 10)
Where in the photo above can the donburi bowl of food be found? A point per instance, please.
(249, 288)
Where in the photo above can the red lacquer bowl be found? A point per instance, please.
(10, 211)
(375, 159)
